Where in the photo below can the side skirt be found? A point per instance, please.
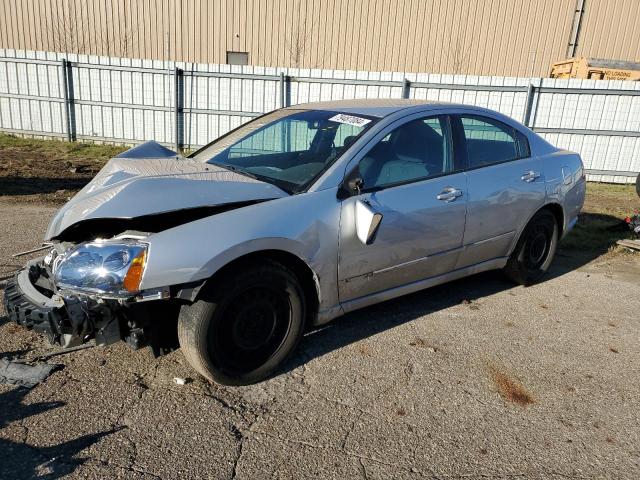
(395, 292)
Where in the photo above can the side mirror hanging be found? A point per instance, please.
(367, 222)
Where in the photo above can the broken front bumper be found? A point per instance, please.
(26, 306)
(66, 320)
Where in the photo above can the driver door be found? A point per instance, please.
(411, 178)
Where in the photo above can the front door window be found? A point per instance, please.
(417, 150)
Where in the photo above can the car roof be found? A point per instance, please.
(375, 107)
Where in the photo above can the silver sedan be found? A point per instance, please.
(290, 221)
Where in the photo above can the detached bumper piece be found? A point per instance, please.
(67, 321)
(33, 310)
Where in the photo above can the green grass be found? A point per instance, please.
(35, 170)
(595, 233)
(59, 148)
(601, 223)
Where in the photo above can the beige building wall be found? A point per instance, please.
(482, 37)
(611, 29)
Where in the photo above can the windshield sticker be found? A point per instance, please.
(350, 120)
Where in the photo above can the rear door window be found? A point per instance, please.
(489, 141)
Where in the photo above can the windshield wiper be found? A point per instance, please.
(233, 168)
(273, 181)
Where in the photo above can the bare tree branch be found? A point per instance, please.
(296, 48)
(68, 34)
(458, 54)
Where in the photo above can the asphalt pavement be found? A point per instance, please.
(474, 379)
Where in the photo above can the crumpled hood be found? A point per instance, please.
(133, 187)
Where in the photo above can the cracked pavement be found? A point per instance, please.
(405, 389)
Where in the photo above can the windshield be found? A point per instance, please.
(288, 148)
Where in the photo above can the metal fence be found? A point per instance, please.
(186, 105)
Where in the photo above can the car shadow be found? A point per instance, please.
(361, 324)
(20, 460)
(13, 354)
(593, 237)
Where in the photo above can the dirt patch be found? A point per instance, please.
(12, 328)
(509, 388)
(364, 350)
(471, 303)
(610, 199)
(48, 170)
(602, 221)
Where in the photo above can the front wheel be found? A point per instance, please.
(535, 249)
(244, 324)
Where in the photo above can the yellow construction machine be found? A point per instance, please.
(596, 69)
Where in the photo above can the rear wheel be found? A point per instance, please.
(244, 324)
(535, 249)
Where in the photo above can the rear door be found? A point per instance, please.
(505, 186)
(410, 178)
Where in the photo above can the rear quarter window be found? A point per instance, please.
(523, 144)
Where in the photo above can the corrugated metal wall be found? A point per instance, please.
(479, 37)
(611, 29)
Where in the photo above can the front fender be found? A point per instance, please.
(304, 225)
(252, 246)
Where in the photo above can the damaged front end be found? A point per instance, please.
(69, 318)
(65, 319)
(73, 295)
(91, 285)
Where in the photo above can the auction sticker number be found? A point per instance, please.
(350, 120)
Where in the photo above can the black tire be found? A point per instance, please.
(244, 324)
(535, 249)
(638, 184)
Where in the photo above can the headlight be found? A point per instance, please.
(103, 267)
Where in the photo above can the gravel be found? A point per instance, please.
(473, 379)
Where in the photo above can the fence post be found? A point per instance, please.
(282, 101)
(531, 92)
(179, 108)
(69, 111)
(285, 90)
(71, 103)
(406, 88)
(65, 117)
